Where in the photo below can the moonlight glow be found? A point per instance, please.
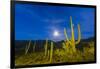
(56, 33)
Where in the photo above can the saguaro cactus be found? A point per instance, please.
(51, 52)
(46, 46)
(72, 41)
(27, 47)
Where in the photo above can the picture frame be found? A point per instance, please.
(13, 32)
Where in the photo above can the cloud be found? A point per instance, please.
(54, 21)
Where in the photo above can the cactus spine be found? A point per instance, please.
(51, 52)
(27, 48)
(72, 41)
(46, 46)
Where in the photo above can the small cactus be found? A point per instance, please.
(51, 52)
(46, 47)
(27, 47)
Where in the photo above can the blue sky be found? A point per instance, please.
(38, 22)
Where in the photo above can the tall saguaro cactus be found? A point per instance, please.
(72, 41)
(51, 52)
(27, 47)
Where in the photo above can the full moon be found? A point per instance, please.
(56, 33)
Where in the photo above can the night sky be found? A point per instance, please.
(38, 22)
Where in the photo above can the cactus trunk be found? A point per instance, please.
(46, 46)
(51, 52)
(27, 48)
(73, 38)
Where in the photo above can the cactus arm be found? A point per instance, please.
(66, 36)
(79, 35)
(28, 47)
